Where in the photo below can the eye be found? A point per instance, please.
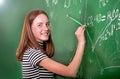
(48, 24)
(39, 24)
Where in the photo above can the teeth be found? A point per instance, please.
(44, 33)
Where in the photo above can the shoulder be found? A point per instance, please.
(34, 55)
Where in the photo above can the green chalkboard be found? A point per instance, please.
(101, 59)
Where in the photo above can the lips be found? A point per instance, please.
(46, 33)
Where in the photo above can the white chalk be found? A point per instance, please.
(74, 20)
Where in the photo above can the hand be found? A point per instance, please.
(80, 34)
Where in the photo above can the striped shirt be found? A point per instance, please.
(30, 69)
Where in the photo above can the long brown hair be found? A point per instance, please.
(27, 39)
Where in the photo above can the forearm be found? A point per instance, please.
(75, 63)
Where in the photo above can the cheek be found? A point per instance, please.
(36, 32)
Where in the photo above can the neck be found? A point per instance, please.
(42, 45)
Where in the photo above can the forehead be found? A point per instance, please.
(41, 18)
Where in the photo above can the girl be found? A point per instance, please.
(36, 49)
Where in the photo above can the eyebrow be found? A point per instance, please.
(42, 22)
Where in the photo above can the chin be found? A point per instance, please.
(45, 39)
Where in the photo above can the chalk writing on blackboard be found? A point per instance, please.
(105, 32)
(68, 3)
(103, 3)
(51, 2)
(108, 18)
(109, 67)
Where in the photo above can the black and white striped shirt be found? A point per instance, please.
(30, 69)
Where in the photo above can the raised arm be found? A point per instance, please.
(72, 68)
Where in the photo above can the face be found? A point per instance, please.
(41, 28)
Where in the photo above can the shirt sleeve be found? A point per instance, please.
(36, 56)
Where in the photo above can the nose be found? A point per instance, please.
(45, 27)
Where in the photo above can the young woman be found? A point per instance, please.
(36, 49)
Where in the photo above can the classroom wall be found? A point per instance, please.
(102, 18)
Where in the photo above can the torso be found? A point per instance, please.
(30, 69)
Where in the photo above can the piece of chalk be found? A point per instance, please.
(74, 20)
